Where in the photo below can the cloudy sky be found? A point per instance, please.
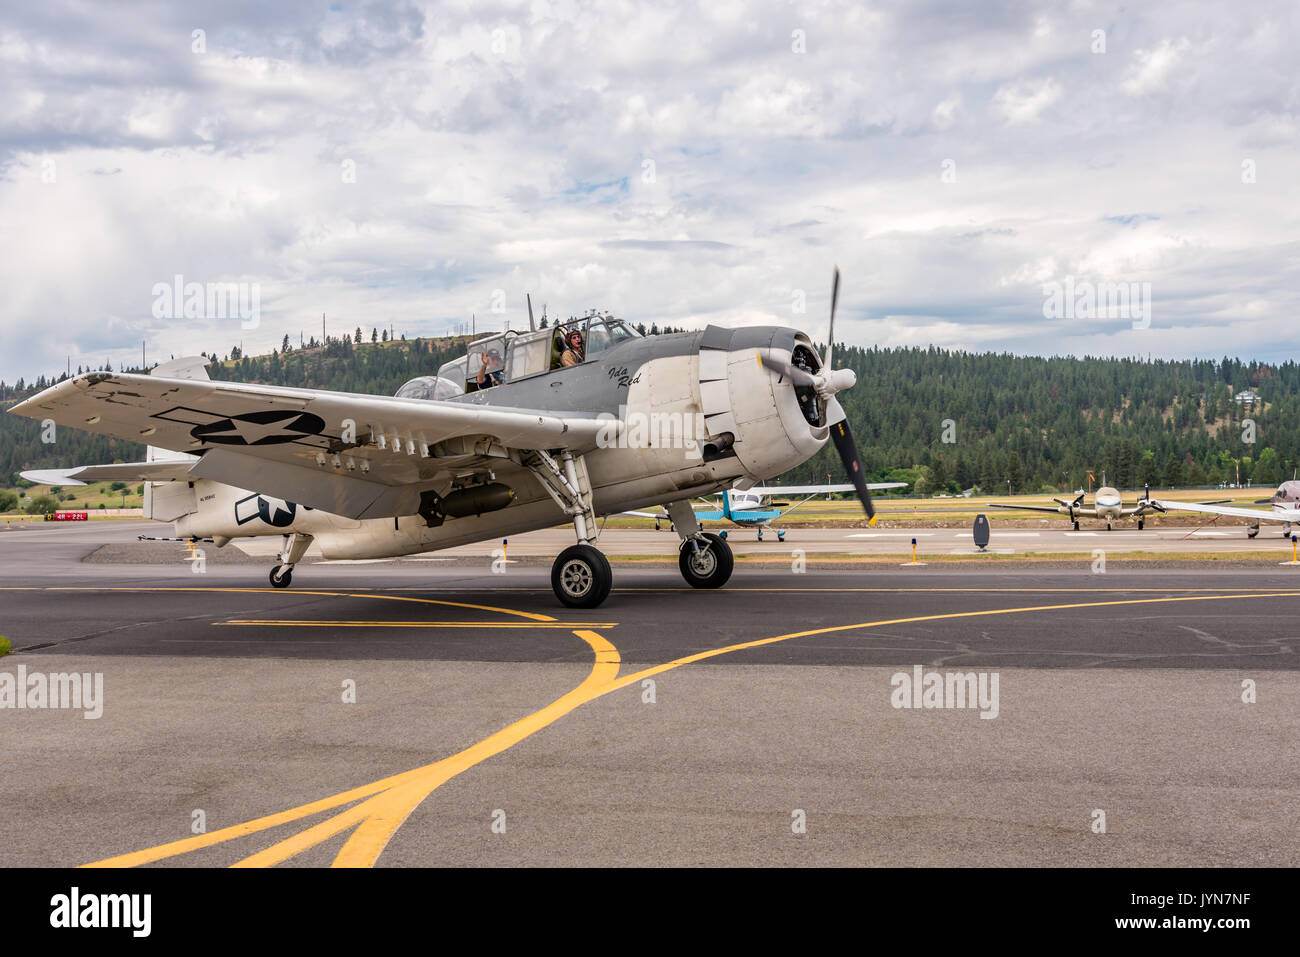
(417, 164)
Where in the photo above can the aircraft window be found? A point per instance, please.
(528, 357)
(621, 332)
(569, 351)
(597, 338)
(485, 366)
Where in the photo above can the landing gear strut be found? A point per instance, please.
(291, 552)
(581, 576)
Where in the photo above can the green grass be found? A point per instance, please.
(4, 646)
(84, 498)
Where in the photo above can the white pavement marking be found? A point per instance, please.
(892, 535)
(1002, 534)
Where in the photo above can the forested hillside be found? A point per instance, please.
(944, 419)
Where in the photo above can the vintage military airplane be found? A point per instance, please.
(1285, 502)
(1107, 504)
(755, 509)
(580, 426)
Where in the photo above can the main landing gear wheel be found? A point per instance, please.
(1076, 526)
(281, 579)
(581, 577)
(760, 534)
(1108, 526)
(1141, 524)
(1252, 531)
(710, 565)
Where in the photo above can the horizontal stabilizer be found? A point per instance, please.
(172, 471)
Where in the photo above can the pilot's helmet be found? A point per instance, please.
(575, 336)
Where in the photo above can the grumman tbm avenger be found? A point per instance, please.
(558, 428)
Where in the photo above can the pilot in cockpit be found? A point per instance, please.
(574, 351)
(492, 370)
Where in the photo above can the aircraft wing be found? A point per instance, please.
(1054, 509)
(362, 456)
(1288, 515)
(820, 489)
(176, 471)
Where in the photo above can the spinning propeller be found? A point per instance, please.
(826, 383)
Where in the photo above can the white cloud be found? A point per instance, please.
(520, 167)
(1151, 69)
(1022, 102)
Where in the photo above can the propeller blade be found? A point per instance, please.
(830, 331)
(848, 450)
(793, 373)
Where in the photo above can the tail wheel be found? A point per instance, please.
(581, 577)
(281, 579)
(708, 566)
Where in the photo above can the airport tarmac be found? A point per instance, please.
(432, 713)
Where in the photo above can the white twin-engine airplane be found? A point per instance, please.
(457, 458)
(1285, 502)
(1107, 504)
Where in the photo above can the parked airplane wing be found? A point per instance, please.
(820, 489)
(354, 455)
(1054, 509)
(1277, 515)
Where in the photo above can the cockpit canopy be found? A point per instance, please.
(510, 356)
(430, 387)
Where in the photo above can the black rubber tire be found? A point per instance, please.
(581, 577)
(1076, 526)
(1141, 524)
(281, 581)
(712, 569)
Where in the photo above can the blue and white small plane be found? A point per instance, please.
(752, 508)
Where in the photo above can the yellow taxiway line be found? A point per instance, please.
(391, 800)
(534, 616)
